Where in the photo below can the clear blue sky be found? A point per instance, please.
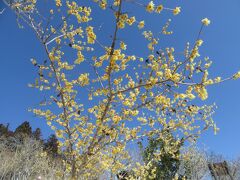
(221, 44)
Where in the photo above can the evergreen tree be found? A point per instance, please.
(24, 129)
(51, 146)
(3, 130)
(168, 166)
(37, 134)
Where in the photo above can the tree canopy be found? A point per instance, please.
(101, 96)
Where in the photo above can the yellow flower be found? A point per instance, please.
(159, 8)
(217, 79)
(177, 10)
(151, 57)
(237, 75)
(150, 7)
(34, 62)
(134, 133)
(199, 42)
(159, 73)
(116, 3)
(191, 96)
(141, 24)
(121, 24)
(123, 46)
(58, 3)
(103, 5)
(58, 40)
(131, 20)
(206, 21)
(59, 134)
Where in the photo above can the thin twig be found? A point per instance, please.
(2, 11)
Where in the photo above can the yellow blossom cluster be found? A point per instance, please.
(80, 58)
(83, 79)
(91, 37)
(81, 13)
(162, 100)
(150, 7)
(124, 19)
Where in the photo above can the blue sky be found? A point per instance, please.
(221, 44)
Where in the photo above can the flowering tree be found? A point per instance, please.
(101, 98)
(195, 163)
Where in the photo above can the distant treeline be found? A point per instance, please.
(24, 131)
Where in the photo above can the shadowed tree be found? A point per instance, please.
(168, 165)
(3, 130)
(51, 146)
(37, 134)
(24, 129)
